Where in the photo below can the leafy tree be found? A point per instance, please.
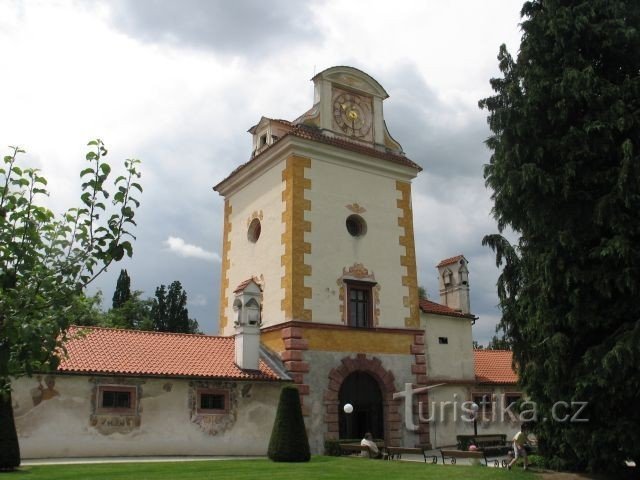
(169, 311)
(498, 343)
(123, 289)
(289, 441)
(134, 314)
(565, 175)
(45, 263)
(477, 346)
(422, 293)
(90, 312)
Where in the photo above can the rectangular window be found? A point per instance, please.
(512, 397)
(116, 399)
(213, 401)
(443, 340)
(483, 400)
(360, 308)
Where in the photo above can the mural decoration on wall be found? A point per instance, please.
(116, 418)
(214, 423)
(255, 214)
(356, 208)
(44, 392)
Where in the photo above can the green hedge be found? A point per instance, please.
(289, 442)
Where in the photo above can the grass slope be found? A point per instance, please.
(325, 468)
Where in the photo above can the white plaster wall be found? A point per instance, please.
(318, 379)
(446, 415)
(60, 427)
(332, 248)
(249, 259)
(453, 361)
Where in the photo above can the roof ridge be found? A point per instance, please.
(153, 332)
(492, 350)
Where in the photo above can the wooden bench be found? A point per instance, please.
(482, 441)
(351, 448)
(455, 454)
(395, 453)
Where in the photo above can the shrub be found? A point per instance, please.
(289, 442)
(332, 448)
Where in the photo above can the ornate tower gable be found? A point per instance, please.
(348, 103)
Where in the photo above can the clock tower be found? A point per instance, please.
(320, 218)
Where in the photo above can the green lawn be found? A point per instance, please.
(319, 468)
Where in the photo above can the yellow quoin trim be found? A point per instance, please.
(273, 340)
(408, 260)
(226, 263)
(359, 341)
(293, 240)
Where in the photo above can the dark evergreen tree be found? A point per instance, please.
(9, 447)
(169, 311)
(123, 289)
(565, 175)
(289, 441)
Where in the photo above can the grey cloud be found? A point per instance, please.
(451, 203)
(239, 27)
(441, 137)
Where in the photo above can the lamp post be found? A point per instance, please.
(474, 409)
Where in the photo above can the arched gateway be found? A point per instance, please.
(365, 384)
(361, 390)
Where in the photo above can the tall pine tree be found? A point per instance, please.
(169, 311)
(565, 175)
(123, 290)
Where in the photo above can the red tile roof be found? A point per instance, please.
(427, 306)
(449, 261)
(494, 366)
(135, 352)
(245, 284)
(314, 134)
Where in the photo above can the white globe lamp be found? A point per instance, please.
(348, 408)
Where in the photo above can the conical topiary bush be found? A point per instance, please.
(9, 448)
(289, 442)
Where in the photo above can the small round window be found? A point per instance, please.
(253, 234)
(356, 226)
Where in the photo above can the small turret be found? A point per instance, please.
(454, 283)
(247, 306)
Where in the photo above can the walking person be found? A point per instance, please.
(519, 441)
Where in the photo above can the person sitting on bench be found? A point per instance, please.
(367, 441)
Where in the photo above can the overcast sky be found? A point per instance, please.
(178, 83)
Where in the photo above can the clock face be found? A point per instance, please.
(352, 113)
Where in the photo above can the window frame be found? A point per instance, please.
(511, 394)
(366, 287)
(488, 408)
(133, 399)
(212, 391)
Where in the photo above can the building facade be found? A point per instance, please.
(318, 287)
(321, 217)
